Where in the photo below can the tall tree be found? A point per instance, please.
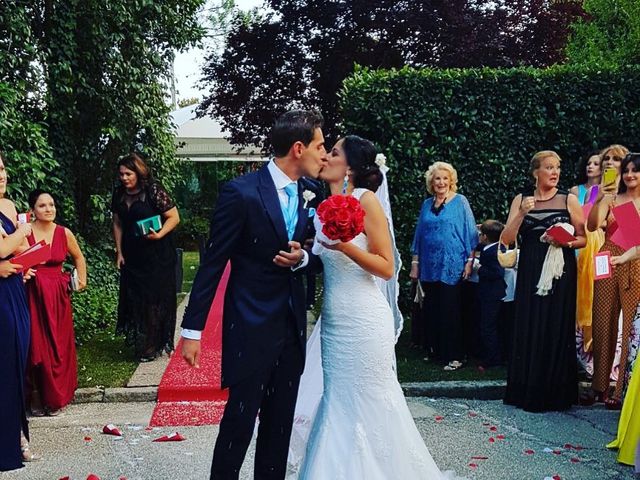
(107, 64)
(298, 53)
(23, 135)
(609, 36)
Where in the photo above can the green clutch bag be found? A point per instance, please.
(145, 225)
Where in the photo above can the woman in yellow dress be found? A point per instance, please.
(589, 177)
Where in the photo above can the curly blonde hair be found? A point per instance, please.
(447, 167)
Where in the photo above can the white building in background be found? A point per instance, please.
(203, 140)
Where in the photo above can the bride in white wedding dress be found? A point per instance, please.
(363, 429)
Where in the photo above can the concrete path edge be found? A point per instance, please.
(477, 390)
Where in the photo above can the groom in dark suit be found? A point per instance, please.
(260, 224)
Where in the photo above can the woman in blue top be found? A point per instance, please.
(445, 237)
(589, 174)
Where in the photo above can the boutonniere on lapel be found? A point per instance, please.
(307, 196)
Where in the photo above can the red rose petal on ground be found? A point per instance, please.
(493, 429)
(439, 418)
(93, 476)
(556, 477)
(174, 437)
(575, 460)
(479, 458)
(557, 452)
(473, 414)
(87, 439)
(65, 478)
(122, 478)
(500, 437)
(568, 446)
(473, 465)
(149, 428)
(492, 440)
(111, 429)
(528, 451)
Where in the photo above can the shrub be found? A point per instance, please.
(95, 309)
(487, 123)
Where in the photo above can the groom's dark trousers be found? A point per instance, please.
(264, 320)
(272, 391)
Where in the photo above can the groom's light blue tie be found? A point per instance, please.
(290, 212)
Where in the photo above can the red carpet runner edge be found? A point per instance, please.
(189, 396)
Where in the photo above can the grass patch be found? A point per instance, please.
(413, 368)
(190, 263)
(105, 361)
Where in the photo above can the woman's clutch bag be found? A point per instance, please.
(145, 225)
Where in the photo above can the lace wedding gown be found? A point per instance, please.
(363, 429)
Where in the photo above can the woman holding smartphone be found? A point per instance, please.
(620, 292)
(146, 260)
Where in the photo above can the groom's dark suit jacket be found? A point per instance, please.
(248, 228)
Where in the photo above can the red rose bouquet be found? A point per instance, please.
(342, 218)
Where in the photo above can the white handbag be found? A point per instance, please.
(74, 280)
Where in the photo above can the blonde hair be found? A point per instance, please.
(447, 167)
(537, 159)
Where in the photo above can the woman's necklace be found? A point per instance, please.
(436, 210)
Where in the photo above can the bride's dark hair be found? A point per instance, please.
(361, 158)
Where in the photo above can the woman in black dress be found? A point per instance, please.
(543, 373)
(147, 262)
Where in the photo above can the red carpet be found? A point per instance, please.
(189, 396)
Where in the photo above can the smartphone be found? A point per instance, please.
(609, 176)
(24, 217)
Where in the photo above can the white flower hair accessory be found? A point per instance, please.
(307, 195)
(381, 160)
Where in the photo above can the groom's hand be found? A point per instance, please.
(289, 259)
(191, 352)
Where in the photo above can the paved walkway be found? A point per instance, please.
(73, 445)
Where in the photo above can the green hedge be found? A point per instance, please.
(487, 123)
(95, 309)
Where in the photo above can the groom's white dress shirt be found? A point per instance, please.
(280, 180)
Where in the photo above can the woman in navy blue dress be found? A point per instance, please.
(14, 337)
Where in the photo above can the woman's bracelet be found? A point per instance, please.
(415, 262)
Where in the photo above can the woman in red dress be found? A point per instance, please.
(52, 360)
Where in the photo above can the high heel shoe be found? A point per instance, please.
(27, 454)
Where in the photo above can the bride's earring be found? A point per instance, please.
(345, 184)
